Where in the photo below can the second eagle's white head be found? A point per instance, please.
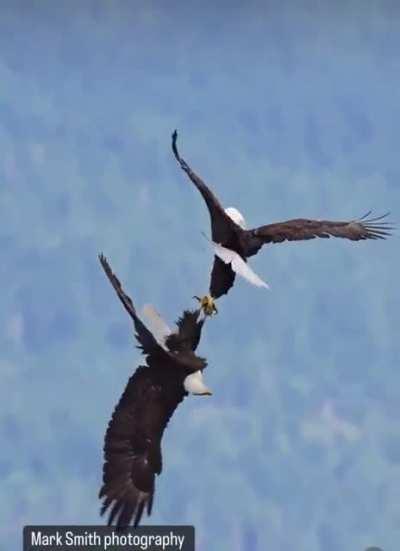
(236, 216)
(194, 384)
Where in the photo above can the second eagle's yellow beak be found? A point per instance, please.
(207, 304)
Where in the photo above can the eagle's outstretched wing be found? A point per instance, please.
(222, 226)
(132, 447)
(302, 229)
(157, 325)
(148, 343)
(187, 337)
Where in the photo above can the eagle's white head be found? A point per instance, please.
(195, 385)
(236, 216)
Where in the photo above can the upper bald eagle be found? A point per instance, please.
(132, 447)
(233, 243)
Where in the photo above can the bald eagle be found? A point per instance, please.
(132, 446)
(233, 243)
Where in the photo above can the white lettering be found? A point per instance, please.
(38, 538)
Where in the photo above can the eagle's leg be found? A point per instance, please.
(207, 304)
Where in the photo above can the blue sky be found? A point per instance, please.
(285, 111)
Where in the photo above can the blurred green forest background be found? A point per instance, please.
(287, 110)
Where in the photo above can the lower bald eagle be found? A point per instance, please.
(132, 446)
(234, 243)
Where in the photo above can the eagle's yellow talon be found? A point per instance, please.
(207, 304)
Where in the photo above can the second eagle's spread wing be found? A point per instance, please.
(148, 343)
(187, 337)
(301, 229)
(222, 226)
(132, 447)
(158, 326)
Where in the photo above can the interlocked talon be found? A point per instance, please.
(207, 304)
